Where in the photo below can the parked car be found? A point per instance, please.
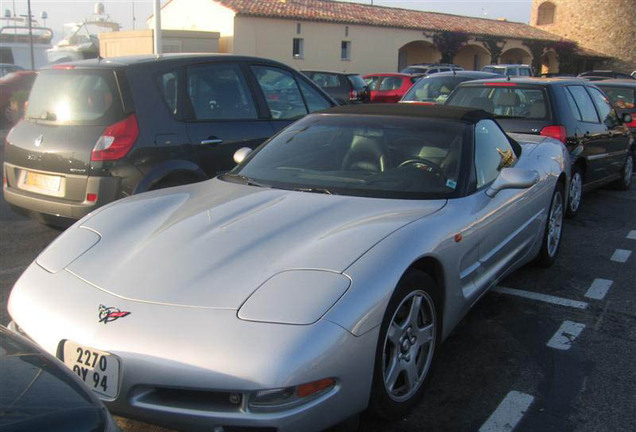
(605, 73)
(434, 89)
(622, 94)
(14, 92)
(368, 231)
(509, 69)
(96, 131)
(345, 88)
(7, 68)
(573, 111)
(40, 394)
(423, 69)
(388, 87)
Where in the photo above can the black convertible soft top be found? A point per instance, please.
(469, 115)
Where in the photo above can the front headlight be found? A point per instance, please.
(295, 297)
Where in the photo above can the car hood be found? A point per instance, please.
(212, 244)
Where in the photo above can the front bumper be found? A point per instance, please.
(73, 205)
(170, 353)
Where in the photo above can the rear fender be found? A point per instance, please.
(164, 169)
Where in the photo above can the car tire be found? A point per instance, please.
(575, 197)
(553, 232)
(625, 182)
(407, 346)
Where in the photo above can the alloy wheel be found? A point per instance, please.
(576, 190)
(628, 170)
(409, 346)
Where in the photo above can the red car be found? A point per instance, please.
(389, 87)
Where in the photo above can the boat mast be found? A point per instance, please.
(30, 35)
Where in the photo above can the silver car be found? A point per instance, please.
(316, 279)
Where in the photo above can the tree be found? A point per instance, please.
(494, 45)
(449, 43)
(565, 51)
(538, 49)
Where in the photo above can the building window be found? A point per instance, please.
(298, 49)
(546, 13)
(298, 28)
(345, 50)
(346, 31)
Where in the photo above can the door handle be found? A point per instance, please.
(211, 141)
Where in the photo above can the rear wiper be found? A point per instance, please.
(315, 190)
(46, 115)
(244, 179)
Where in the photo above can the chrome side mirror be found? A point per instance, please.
(241, 154)
(513, 178)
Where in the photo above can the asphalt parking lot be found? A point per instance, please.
(550, 350)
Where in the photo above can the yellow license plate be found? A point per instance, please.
(43, 181)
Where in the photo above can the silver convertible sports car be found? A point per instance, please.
(316, 279)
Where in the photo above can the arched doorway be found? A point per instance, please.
(472, 57)
(417, 52)
(516, 56)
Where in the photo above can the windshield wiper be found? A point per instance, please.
(315, 190)
(244, 180)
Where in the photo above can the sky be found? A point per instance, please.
(63, 11)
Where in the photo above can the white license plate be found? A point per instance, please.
(98, 369)
(42, 181)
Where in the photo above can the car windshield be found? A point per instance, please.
(621, 97)
(414, 70)
(492, 69)
(504, 100)
(431, 89)
(376, 156)
(74, 97)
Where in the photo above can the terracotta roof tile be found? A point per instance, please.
(382, 16)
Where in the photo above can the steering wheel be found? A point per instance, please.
(424, 165)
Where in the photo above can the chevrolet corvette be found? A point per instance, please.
(315, 280)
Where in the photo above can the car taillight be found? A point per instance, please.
(631, 124)
(116, 140)
(353, 95)
(557, 132)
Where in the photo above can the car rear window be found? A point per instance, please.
(507, 101)
(391, 83)
(326, 80)
(621, 97)
(79, 97)
(357, 82)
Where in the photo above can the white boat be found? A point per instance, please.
(14, 42)
(80, 39)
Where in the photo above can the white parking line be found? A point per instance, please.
(509, 412)
(598, 289)
(542, 297)
(565, 335)
(621, 255)
(632, 235)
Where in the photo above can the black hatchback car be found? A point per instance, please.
(345, 88)
(573, 111)
(99, 130)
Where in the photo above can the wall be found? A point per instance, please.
(116, 44)
(606, 26)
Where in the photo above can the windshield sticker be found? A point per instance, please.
(451, 184)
